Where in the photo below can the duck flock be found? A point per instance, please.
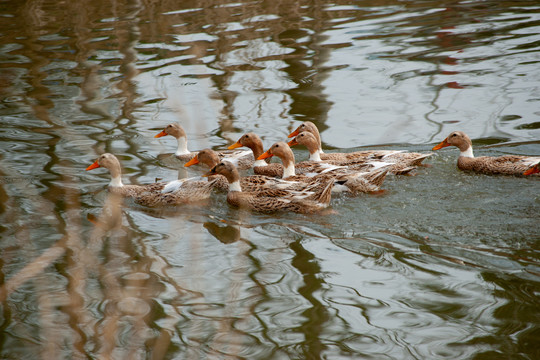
(302, 187)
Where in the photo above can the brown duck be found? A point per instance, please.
(499, 165)
(403, 160)
(255, 144)
(361, 160)
(350, 180)
(210, 158)
(155, 194)
(270, 200)
(243, 159)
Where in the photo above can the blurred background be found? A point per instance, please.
(441, 265)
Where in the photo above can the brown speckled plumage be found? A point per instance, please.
(136, 190)
(190, 192)
(500, 165)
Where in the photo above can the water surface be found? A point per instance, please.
(441, 265)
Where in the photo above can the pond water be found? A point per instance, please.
(441, 265)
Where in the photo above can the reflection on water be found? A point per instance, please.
(443, 264)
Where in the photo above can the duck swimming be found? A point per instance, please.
(404, 161)
(155, 194)
(210, 158)
(359, 160)
(243, 158)
(254, 143)
(177, 131)
(353, 181)
(271, 200)
(494, 165)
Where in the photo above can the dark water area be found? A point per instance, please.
(441, 265)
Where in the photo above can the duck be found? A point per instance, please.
(255, 144)
(270, 200)
(177, 131)
(348, 179)
(362, 160)
(155, 194)
(242, 158)
(210, 158)
(312, 128)
(177, 192)
(263, 167)
(492, 165)
(535, 169)
(404, 161)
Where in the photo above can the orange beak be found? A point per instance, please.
(266, 155)
(193, 161)
(294, 133)
(93, 166)
(162, 133)
(443, 143)
(292, 142)
(532, 170)
(235, 145)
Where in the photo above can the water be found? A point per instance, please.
(442, 265)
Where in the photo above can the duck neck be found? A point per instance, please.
(182, 146)
(260, 163)
(116, 181)
(257, 148)
(467, 152)
(235, 186)
(315, 156)
(288, 169)
(116, 175)
(233, 178)
(318, 136)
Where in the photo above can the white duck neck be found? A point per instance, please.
(467, 153)
(182, 146)
(116, 182)
(315, 156)
(260, 163)
(288, 170)
(235, 186)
